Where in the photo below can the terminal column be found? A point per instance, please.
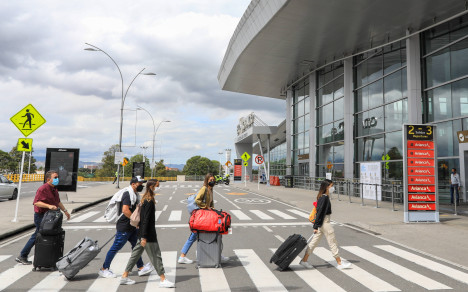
(413, 67)
(289, 117)
(348, 118)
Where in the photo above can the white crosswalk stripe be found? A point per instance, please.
(169, 259)
(207, 282)
(240, 215)
(282, 214)
(100, 219)
(396, 269)
(158, 213)
(4, 257)
(424, 262)
(300, 213)
(53, 282)
(175, 215)
(365, 278)
(111, 284)
(261, 215)
(84, 216)
(12, 275)
(259, 273)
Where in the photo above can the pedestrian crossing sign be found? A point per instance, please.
(245, 156)
(27, 120)
(24, 144)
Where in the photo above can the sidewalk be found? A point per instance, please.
(446, 240)
(73, 202)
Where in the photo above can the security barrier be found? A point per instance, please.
(26, 177)
(40, 178)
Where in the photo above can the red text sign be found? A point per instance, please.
(420, 162)
(421, 189)
(422, 206)
(421, 153)
(421, 180)
(421, 170)
(421, 197)
(420, 144)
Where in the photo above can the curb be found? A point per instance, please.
(90, 204)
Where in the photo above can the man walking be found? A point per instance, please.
(116, 175)
(47, 198)
(454, 186)
(125, 231)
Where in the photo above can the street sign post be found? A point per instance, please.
(24, 144)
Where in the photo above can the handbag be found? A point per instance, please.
(313, 214)
(135, 217)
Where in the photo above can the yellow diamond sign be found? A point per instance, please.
(28, 120)
(24, 144)
(245, 156)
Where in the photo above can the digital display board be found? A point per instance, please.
(237, 170)
(138, 169)
(65, 162)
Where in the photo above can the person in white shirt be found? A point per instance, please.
(454, 185)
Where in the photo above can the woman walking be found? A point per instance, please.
(148, 240)
(323, 226)
(204, 200)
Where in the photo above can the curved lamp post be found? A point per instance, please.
(96, 49)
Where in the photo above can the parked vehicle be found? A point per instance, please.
(8, 189)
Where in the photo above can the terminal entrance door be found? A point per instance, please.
(304, 169)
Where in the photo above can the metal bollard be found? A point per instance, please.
(362, 195)
(393, 197)
(376, 197)
(349, 191)
(339, 192)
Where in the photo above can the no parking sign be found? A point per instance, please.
(259, 159)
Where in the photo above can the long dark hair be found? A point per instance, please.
(207, 178)
(149, 194)
(323, 188)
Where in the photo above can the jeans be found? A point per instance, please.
(189, 242)
(32, 240)
(454, 187)
(120, 240)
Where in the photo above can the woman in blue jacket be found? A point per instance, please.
(322, 226)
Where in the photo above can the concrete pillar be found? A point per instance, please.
(413, 61)
(313, 120)
(289, 101)
(240, 149)
(348, 119)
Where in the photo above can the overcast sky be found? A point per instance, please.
(78, 92)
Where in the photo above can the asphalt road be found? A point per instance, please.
(260, 224)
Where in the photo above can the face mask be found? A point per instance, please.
(331, 190)
(139, 188)
(55, 181)
(211, 183)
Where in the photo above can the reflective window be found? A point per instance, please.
(300, 123)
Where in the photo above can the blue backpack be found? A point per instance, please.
(191, 204)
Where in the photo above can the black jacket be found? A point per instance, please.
(323, 209)
(147, 222)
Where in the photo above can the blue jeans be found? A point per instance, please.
(454, 187)
(120, 240)
(189, 242)
(32, 240)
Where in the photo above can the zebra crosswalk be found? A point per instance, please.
(263, 275)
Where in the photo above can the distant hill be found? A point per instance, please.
(178, 166)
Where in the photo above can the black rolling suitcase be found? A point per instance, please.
(48, 249)
(289, 250)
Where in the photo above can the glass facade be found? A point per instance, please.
(380, 100)
(300, 113)
(330, 121)
(445, 96)
(277, 160)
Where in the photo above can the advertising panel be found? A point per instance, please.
(138, 169)
(237, 170)
(370, 175)
(65, 162)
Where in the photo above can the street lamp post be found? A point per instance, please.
(155, 130)
(221, 155)
(96, 49)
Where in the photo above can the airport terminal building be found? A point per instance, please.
(351, 74)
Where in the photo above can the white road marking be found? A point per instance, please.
(240, 215)
(158, 213)
(185, 225)
(111, 284)
(169, 259)
(12, 275)
(84, 216)
(365, 278)
(164, 208)
(175, 215)
(267, 229)
(100, 219)
(279, 238)
(282, 214)
(217, 193)
(53, 282)
(300, 213)
(213, 280)
(260, 274)
(4, 257)
(426, 263)
(261, 215)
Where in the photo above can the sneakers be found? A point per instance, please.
(224, 259)
(184, 260)
(23, 260)
(306, 265)
(147, 269)
(166, 284)
(126, 281)
(344, 265)
(106, 273)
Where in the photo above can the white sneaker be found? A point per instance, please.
(126, 281)
(166, 284)
(106, 273)
(306, 265)
(224, 259)
(147, 269)
(184, 260)
(344, 265)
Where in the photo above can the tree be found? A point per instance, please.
(14, 163)
(160, 169)
(5, 161)
(108, 168)
(198, 165)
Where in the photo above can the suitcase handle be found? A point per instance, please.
(216, 238)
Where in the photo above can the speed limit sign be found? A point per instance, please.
(259, 159)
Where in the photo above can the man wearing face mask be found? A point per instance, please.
(125, 231)
(47, 198)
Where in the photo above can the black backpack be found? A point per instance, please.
(51, 223)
